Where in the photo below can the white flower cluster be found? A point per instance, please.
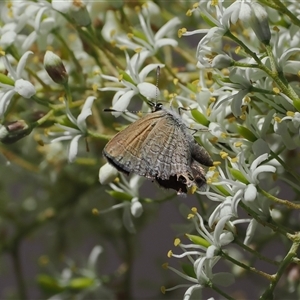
(252, 122)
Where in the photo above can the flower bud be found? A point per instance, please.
(107, 174)
(14, 131)
(221, 61)
(55, 68)
(80, 14)
(136, 207)
(257, 19)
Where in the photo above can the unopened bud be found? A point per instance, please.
(136, 207)
(221, 61)
(14, 131)
(80, 14)
(258, 20)
(107, 174)
(55, 68)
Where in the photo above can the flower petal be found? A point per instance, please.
(4, 101)
(136, 207)
(262, 169)
(85, 112)
(250, 231)
(22, 62)
(24, 88)
(145, 71)
(107, 174)
(123, 102)
(165, 29)
(166, 42)
(61, 138)
(61, 6)
(148, 90)
(258, 160)
(30, 39)
(9, 68)
(73, 150)
(250, 192)
(7, 39)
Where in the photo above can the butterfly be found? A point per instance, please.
(160, 147)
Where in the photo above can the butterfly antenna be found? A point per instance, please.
(157, 79)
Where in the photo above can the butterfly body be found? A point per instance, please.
(159, 146)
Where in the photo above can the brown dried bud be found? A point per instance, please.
(14, 131)
(55, 68)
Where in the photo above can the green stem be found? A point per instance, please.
(254, 252)
(262, 91)
(274, 75)
(273, 63)
(39, 101)
(279, 6)
(242, 265)
(276, 70)
(99, 135)
(57, 107)
(226, 296)
(253, 214)
(244, 65)
(45, 118)
(248, 51)
(268, 294)
(68, 94)
(287, 203)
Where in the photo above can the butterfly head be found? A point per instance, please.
(155, 106)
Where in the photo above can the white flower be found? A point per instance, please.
(36, 15)
(153, 41)
(112, 27)
(203, 269)
(203, 253)
(133, 83)
(256, 168)
(8, 35)
(288, 130)
(128, 191)
(74, 134)
(21, 86)
(211, 44)
(294, 117)
(240, 85)
(244, 188)
(253, 15)
(41, 22)
(218, 238)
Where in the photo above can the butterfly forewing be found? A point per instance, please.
(124, 150)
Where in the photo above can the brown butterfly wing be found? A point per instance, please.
(159, 146)
(124, 149)
(166, 149)
(154, 146)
